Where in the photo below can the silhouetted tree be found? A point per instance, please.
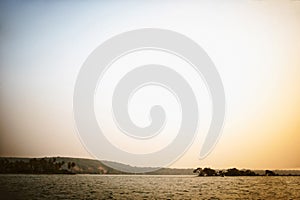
(205, 172)
(198, 170)
(209, 172)
(233, 172)
(33, 166)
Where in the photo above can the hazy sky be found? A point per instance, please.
(255, 46)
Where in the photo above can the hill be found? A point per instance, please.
(67, 165)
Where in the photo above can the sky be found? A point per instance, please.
(254, 45)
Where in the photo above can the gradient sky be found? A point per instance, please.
(255, 46)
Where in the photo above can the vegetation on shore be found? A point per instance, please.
(228, 172)
(36, 166)
(232, 172)
(54, 165)
(66, 165)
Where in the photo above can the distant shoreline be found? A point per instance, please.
(236, 172)
(72, 166)
(142, 174)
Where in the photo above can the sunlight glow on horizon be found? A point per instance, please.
(254, 45)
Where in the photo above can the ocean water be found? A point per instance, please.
(146, 187)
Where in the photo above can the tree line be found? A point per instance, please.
(230, 172)
(36, 166)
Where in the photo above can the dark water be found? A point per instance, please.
(146, 187)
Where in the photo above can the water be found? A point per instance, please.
(146, 187)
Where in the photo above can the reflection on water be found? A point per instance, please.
(146, 187)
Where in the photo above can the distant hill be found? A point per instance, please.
(67, 165)
(54, 165)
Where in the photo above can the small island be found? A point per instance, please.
(232, 172)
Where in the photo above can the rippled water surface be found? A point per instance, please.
(146, 187)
